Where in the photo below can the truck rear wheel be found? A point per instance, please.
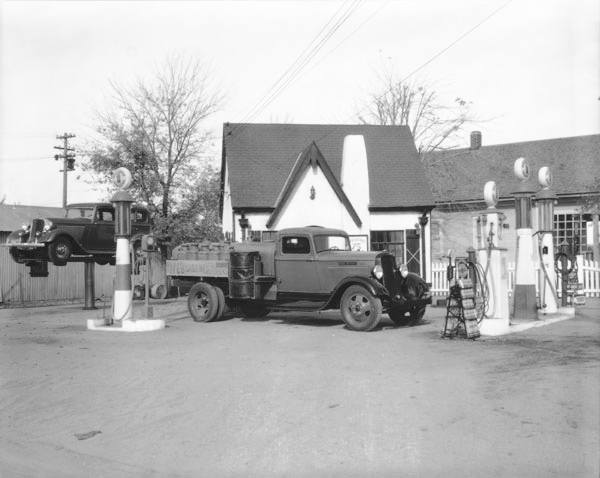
(360, 309)
(203, 302)
(222, 305)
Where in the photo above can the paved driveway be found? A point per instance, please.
(295, 396)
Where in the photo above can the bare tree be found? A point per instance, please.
(154, 127)
(434, 124)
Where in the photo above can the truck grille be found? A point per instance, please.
(388, 264)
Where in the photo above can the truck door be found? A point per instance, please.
(295, 266)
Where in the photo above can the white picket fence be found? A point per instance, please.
(588, 274)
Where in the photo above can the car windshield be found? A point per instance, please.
(332, 243)
(80, 212)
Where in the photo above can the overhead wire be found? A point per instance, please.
(441, 52)
(437, 55)
(298, 65)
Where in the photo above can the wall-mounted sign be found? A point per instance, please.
(359, 243)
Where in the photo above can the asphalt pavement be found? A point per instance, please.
(295, 395)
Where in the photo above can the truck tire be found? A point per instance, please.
(399, 317)
(203, 302)
(222, 306)
(360, 309)
(416, 314)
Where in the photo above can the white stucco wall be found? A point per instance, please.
(325, 209)
(227, 219)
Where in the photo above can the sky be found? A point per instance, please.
(531, 68)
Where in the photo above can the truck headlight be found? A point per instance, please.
(377, 272)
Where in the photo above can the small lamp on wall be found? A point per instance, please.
(313, 193)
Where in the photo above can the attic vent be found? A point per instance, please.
(475, 139)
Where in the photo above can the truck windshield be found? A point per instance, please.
(332, 243)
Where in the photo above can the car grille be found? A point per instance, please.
(388, 264)
(37, 225)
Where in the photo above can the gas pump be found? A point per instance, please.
(524, 294)
(493, 260)
(123, 291)
(546, 199)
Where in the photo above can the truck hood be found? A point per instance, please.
(362, 256)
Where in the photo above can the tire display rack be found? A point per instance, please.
(462, 307)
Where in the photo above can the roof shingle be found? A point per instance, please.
(461, 174)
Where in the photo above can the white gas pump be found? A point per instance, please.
(524, 294)
(493, 260)
(123, 291)
(546, 198)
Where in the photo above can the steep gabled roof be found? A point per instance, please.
(460, 174)
(311, 157)
(259, 158)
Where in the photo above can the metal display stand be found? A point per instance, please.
(461, 311)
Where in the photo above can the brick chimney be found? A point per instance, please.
(475, 139)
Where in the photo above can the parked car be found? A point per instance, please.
(87, 229)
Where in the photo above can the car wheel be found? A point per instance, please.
(60, 250)
(360, 309)
(399, 317)
(203, 302)
(254, 311)
(102, 260)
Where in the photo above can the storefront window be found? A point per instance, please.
(571, 228)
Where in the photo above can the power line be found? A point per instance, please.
(444, 50)
(293, 71)
(25, 159)
(321, 138)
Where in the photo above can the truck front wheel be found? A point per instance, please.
(203, 302)
(360, 309)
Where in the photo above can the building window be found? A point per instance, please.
(391, 241)
(571, 228)
(262, 236)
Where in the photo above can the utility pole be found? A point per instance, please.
(68, 161)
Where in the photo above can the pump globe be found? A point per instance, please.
(521, 169)
(490, 194)
(545, 177)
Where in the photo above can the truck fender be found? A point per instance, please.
(373, 286)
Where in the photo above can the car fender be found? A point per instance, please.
(373, 286)
(51, 235)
